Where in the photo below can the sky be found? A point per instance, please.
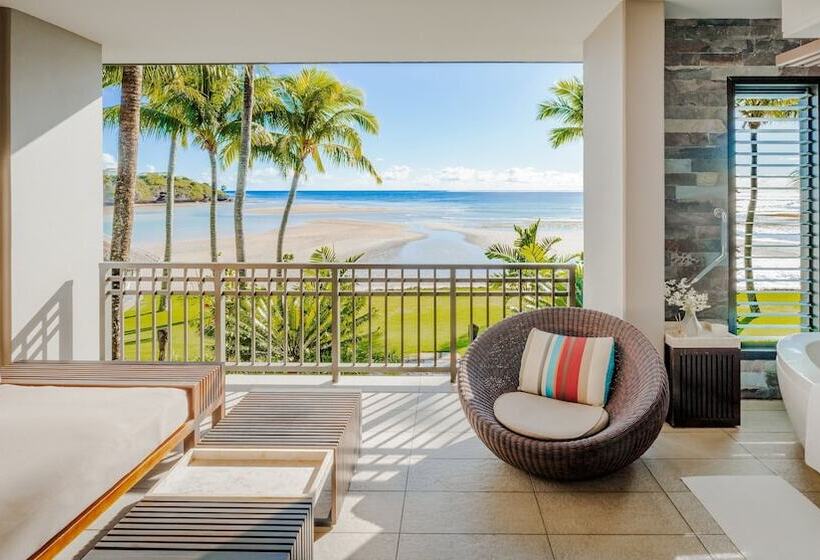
(459, 126)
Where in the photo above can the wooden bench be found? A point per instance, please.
(316, 418)
(203, 529)
(203, 383)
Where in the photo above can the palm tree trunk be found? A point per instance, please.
(748, 230)
(212, 157)
(123, 219)
(162, 334)
(169, 198)
(280, 238)
(243, 163)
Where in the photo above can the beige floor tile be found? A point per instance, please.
(450, 445)
(355, 546)
(795, 472)
(380, 441)
(370, 512)
(700, 520)
(721, 547)
(381, 471)
(388, 412)
(436, 384)
(159, 471)
(79, 547)
(628, 547)
(814, 497)
(764, 421)
(473, 547)
(695, 445)
(632, 478)
(466, 475)
(471, 512)
(770, 445)
(117, 509)
(610, 513)
(667, 428)
(754, 404)
(668, 472)
(439, 412)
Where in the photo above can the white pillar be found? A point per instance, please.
(623, 166)
(53, 187)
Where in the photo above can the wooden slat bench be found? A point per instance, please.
(317, 418)
(205, 387)
(185, 529)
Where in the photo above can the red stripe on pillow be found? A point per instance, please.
(573, 371)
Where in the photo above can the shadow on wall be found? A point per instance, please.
(49, 333)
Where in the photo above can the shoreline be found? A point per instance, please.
(348, 238)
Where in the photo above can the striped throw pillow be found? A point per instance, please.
(568, 368)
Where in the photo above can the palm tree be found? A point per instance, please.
(243, 163)
(317, 117)
(134, 81)
(567, 106)
(245, 139)
(162, 115)
(211, 97)
(756, 112)
(526, 248)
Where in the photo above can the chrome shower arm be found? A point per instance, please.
(724, 242)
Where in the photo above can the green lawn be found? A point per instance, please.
(422, 329)
(766, 330)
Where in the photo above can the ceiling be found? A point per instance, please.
(180, 31)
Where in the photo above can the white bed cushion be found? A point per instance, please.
(548, 419)
(61, 448)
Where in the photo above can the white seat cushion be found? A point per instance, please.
(61, 448)
(548, 419)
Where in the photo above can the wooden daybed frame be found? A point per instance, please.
(204, 384)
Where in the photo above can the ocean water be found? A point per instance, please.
(438, 215)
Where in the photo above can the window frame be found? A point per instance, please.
(732, 83)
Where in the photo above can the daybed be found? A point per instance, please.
(77, 436)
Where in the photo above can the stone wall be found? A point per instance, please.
(700, 55)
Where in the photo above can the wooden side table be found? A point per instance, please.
(287, 419)
(187, 529)
(704, 379)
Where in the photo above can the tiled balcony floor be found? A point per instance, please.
(426, 488)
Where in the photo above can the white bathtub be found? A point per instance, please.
(798, 370)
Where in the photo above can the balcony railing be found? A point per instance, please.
(316, 318)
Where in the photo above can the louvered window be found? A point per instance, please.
(773, 149)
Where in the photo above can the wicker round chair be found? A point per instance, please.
(639, 397)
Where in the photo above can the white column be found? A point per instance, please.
(55, 189)
(623, 166)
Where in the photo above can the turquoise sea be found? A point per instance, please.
(450, 221)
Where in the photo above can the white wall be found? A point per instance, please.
(623, 166)
(801, 18)
(604, 166)
(56, 199)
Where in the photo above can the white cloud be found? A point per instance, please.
(108, 161)
(150, 168)
(397, 173)
(511, 177)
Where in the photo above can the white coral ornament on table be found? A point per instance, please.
(681, 294)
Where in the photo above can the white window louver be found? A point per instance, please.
(773, 149)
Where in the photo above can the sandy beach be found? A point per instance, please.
(438, 227)
(347, 237)
(572, 238)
